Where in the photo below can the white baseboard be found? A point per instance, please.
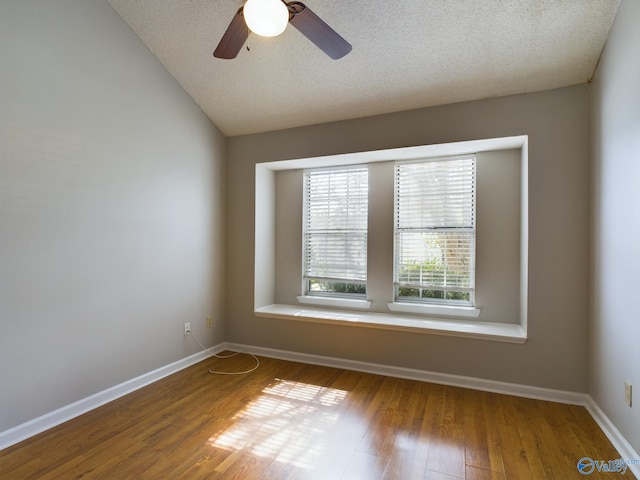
(49, 420)
(620, 443)
(538, 393)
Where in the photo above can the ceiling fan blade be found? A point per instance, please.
(234, 38)
(316, 30)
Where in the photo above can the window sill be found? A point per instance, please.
(335, 302)
(440, 310)
(500, 332)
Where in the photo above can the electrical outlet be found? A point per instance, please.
(209, 322)
(627, 393)
(187, 329)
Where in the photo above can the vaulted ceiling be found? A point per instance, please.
(406, 55)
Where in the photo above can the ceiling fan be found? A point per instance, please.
(269, 18)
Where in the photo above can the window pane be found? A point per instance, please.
(434, 258)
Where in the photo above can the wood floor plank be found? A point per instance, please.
(489, 409)
(515, 460)
(431, 421)
(446, 449)
(475, 473)
(365, 466)
(407, 423)
(291, 421)
(475, 434)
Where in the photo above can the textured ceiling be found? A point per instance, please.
(406, 55)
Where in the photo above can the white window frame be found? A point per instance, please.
(468, 227)
(354, 277)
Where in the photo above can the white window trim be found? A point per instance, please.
(500, 332)
(332, 301)
(264, 266)
(432, 309)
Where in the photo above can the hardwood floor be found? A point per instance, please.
(292, 421)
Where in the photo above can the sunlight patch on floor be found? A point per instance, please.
(287, 422)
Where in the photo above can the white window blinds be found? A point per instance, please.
(435, 231)
(335, 229)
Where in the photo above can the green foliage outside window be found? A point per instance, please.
(337, 287)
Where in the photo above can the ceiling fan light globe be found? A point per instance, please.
(267, 18)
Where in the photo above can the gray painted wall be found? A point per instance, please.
(615, 329)
(111, 209)
(555, 355)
